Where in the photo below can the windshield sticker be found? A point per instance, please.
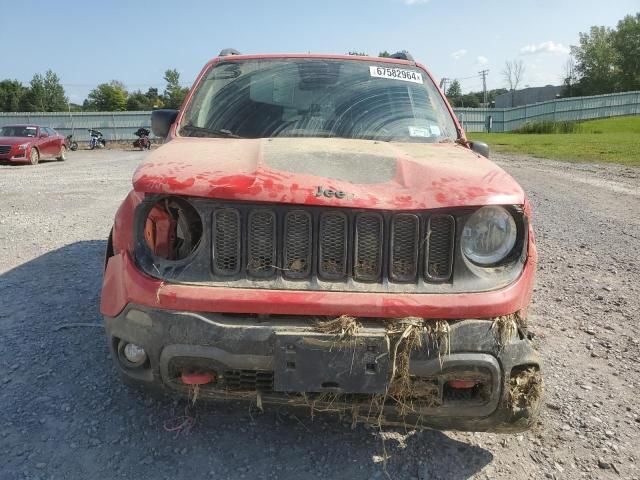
(419, 132)
(396, 74)
(435, 130)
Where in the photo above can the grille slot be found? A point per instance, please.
(249, 380)
(368, 255)
(251, 242)
(332, 261)
(405, 231)
(226, 241)
(5, 149)
(439, 257)
(297, 244)
(261, 249)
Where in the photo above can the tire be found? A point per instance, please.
(74, 146)
(63, 153)
(34, 156)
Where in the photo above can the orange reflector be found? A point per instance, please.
(197, 378)
(462, 383)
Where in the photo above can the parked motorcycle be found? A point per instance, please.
(143, 142)
(70, 143)
(96, 139)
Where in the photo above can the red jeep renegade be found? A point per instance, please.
(317, 231)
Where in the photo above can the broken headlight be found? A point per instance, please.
(489, 235)
(172, 229)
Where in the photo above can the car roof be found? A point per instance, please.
(312, 55)
(23, 125)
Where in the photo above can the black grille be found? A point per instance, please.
(333, 245)
(298, 242)
(248, 380)
(440, 235)
(262, 243)
(332, 263)
(368, 254)
(5, 149)
(405, 232)
(226, 241)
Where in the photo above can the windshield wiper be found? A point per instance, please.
(208, 132)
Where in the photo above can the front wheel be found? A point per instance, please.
(74, 146)
(63, 154)
(34, 156)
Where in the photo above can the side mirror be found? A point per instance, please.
(44, 134)
(161, 121)
(480, 148)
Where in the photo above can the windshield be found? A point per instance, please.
(318, 98)
(18, 132)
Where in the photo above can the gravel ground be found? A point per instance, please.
(66, 415)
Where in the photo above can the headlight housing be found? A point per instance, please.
(23, 147)
(489, 235)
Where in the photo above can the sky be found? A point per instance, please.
(87, 43)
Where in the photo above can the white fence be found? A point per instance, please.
(113, 125)
(564, 109)
(121, 125)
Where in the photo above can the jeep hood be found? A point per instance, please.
(371, 174)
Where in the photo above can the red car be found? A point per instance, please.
(30, 144)
(317, 231)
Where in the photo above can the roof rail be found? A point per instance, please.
(404, 55)
(228, 51)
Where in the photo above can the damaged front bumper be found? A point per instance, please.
(461, 384)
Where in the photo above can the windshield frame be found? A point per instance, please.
(397, 63)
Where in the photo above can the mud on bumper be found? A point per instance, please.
(279, 358)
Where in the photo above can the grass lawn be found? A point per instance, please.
(615, 140)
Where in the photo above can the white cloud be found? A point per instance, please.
(481, 60)
(544, 47)
(414, 2)
(458, 54)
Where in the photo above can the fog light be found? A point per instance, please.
(134, 353)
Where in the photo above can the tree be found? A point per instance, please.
(11, 93)
(470, 100)
(54, 97)
(138, 101)
(33, 99)
(173, 94)
(596, 61)
(513, 73)
(626, 42)
(454, 91)
(45, 94)
(108, 97)
(569, 78)
(155, 100)
(360, 54)
(384, 54)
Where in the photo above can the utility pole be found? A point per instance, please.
(484, 85)
(443, 84)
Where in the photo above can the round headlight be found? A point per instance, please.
(488, 236)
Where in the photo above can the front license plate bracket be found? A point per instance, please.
(324, 363)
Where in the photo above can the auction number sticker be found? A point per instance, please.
(396, 74)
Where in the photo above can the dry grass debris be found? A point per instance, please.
(440, 334)
(194, 392)
(344, 327)
(504, 328)
(526, 389)
(405, 336)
